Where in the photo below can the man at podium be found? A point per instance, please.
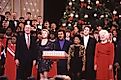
(61, 45)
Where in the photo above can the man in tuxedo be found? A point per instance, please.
(13, 23)
(62, 45)
(7, 15)
(39, 22)
(21, 19)
(118, 60)
(89, 44)
(14, 16)
(25, 54)
(28, 20)
(2, 51)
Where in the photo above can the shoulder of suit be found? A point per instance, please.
(72, 45)
(2, 15)
(91, 37)
(68, 41)
(21, 35)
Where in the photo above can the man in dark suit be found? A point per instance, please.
(61, 45)
(2, 51)
(117, 60)
(89, 44)
(28, 20)
(26, 54)
(7, 15)
(13, 24)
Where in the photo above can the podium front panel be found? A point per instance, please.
(54, 54)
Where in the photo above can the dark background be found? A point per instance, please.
(53, 10)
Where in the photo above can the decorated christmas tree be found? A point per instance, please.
(87, 12)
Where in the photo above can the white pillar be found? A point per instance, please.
(17, 7)
(12, 6)
(41, 7)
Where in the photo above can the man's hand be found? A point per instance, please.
(110, 67)
(34, 62)
(66, 55)
(68, 67)
(95, 67)
(17, 62)
(83, 68)
(117, 65)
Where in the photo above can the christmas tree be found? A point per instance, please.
(87, 12)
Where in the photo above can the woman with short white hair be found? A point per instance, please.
(104, 56)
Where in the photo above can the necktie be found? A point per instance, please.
(0, 18)
(28, 41)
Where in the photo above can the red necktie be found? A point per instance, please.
(28, 41)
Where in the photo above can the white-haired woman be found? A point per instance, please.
(104, 56)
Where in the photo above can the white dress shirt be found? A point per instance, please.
(86, 38)
(15, 23)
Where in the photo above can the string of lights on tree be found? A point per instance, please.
(86, 12)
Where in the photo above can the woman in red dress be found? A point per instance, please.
(104, 56)
(10, 66)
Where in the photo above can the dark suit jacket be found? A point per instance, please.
(25, 55)
(12, 25)
(118, 53)
(90, 53)
(28, 20)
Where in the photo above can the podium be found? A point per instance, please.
(54, 56)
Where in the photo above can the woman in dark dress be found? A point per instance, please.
(44, 65)
(76, 59)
